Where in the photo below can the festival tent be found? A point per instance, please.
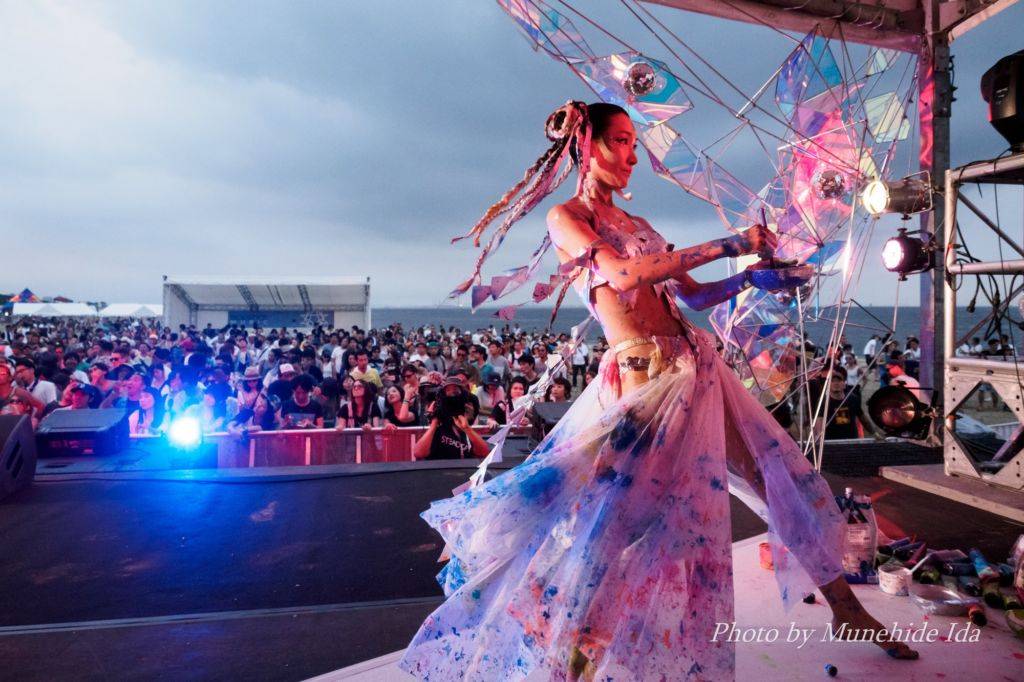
(133, 310)
(26, 296)
(53, 310)
(267, 301)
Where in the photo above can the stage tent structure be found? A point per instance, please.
(133, 310)
(53, 310)
(295, 302)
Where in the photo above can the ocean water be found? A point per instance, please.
(861, 323)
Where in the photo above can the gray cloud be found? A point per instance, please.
(287, 138)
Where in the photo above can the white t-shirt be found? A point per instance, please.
(579, 356)
(870, 347)
(43, 391)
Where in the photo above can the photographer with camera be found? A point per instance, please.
(449, 435)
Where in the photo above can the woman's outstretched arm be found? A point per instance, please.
(573, 235)
(701, 295)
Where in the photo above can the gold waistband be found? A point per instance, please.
(635, 341)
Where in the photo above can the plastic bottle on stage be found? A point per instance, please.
(861, 534)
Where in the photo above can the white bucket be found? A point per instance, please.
(894, 580)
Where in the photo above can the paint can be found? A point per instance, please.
(894, 580)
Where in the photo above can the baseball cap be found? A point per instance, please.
(454, 380)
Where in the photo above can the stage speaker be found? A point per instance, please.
(17, 454)
(549, 413)
(99, 433)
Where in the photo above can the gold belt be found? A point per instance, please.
(652, 364)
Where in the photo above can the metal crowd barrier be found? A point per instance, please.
(304, 447)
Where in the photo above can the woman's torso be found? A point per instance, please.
(648, 310)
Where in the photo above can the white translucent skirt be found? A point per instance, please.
(614, 536)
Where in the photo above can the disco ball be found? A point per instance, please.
(829, 184)
(641, 78)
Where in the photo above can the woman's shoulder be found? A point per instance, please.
(573, 209)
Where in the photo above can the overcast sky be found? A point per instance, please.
(290, 138)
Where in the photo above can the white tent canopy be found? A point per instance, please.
(338, 301)
(53, 310)
(133, 310)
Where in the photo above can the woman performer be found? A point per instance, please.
(607, 554)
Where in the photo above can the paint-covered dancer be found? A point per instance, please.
(607, 554)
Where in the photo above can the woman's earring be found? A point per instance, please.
(626, 196)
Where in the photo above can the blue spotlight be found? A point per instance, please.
(185, 432)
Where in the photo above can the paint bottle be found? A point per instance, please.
(983, 567)
(1005, 574)
(929, 575)
(1010, 601)
(976, 612)
(917, 555)
(970, 585)
(958, 568)
(906, 551)
(991, 594)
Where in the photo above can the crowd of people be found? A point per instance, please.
(240, 380)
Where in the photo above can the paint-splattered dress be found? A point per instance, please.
(614, 535)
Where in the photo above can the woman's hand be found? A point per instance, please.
(410, 393)
(462, 423)
(388, 426)
(757, 239)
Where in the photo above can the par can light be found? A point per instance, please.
(908, 255)
(906, 196)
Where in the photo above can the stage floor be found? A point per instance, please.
(278, 574)
(996, 655)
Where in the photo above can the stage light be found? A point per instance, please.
(898, 412)
(1002, 87)
(908, 255)
(906, 196)
(185, 432)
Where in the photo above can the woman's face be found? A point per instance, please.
(557, 392)
(393, 395)
(613, 154)
(346, 383)
(146, 401)
(358, 390)
(517, 390)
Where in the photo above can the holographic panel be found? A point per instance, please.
(547, 29)
(880, 59)
(886, 119)
(810, 70)
(674, 159)
(652, 97)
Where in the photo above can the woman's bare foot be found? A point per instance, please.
(864, 627)
(859, 624)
